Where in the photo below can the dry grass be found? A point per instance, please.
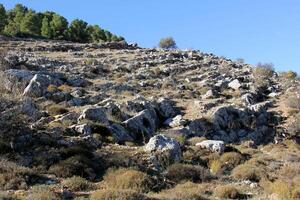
(226, 192)
(127, 179)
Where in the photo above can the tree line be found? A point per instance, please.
(24, 22)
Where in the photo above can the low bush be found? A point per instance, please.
(262, 74)
(226, 162)
(76, 165)
(294, 126)
(77, 183)
(128, 179)
(289, 74)
(56, 110)
(167, 43)
(184, 191)
(14, 177)
(293, 102)
(6, 196)
(41, 192)
(117, 194)
(226, 192)
(248, 172)
(186, 172)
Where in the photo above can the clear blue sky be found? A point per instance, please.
(256, 30)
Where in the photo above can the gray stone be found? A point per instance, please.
(143, 125)
(175, 122)
(38, 85)
(164, 144)
(120, 134)
(166, 108)
(235, 84)
(83, 129)
(96, 114)
(212, 145)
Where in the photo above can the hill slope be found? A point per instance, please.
(169, 116)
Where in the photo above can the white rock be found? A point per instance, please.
(212, 145)
(162, 143)
(175, 122)
(235, 84)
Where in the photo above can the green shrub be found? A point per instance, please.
(226, 192)
(112, 194)
(77, 183)
(186, 172)
(128, 179)
(75, 165)
(167, 43)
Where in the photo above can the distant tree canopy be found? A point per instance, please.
(23, 22)
(167, 43)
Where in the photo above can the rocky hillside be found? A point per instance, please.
(115, 121)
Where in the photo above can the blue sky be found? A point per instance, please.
(256, 30)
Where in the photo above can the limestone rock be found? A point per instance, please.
(212, 145)
(164, 144)
(143, 125)
(96, 114)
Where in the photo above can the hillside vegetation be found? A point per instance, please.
(114, 121)
(24, 22)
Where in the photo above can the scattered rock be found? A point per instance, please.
(235, 84)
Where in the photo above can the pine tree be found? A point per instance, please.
(3, 18)
(59, 27)
(78, 31)
(29, 24)
(96, 34)
(46, 29)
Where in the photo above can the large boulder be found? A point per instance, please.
(16, 78)
(212, 145)
(166, 108)
(143, 125)
(120, 134)
(38, 85)
(163, 144)
(235, 125)
(96, 114)
(235, 84)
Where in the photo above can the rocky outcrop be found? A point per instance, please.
(164, 144)
(38, 85)
(96, 114)
(143, 125)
